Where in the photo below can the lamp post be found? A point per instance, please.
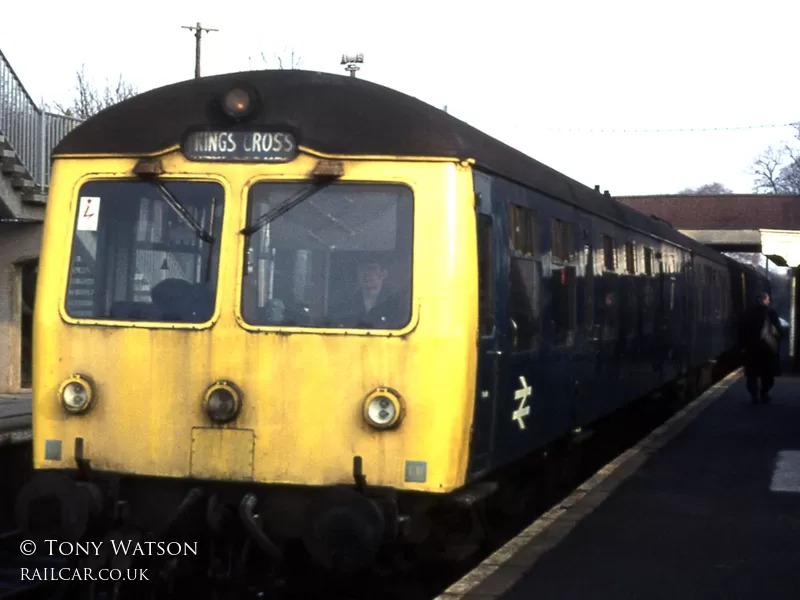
(351, 61)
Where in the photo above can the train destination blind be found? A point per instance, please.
(256, 146)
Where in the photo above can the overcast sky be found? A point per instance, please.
(551, 78)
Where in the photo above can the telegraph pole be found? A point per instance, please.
(198, 34)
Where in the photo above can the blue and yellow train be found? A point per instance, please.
(305, 310)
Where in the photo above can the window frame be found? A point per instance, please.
(609, 252)
(69, 238)
(630, 258)
(564, 232)
(648, 261)
(240, 265)
(532, 235)
(535, 257)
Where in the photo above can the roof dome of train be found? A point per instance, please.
(332, 114)
(329, 113)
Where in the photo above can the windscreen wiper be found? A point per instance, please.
(183, 213)
(289, 204)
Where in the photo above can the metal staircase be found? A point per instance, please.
(28, 135)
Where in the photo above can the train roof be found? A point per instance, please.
(337, 115)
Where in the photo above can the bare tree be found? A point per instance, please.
(789, 177)
(89, 100)
(286, 59)
(777, 171)
(710, 189)
(766, 169)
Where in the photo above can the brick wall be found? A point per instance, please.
(735, 211)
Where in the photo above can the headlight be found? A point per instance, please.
(383, 409)
(223, 402)
(240, 102)
(76, 394)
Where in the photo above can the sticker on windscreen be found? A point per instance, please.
(88, 212)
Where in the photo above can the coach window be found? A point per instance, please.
(563, 281)
(698, 278)
(723, 294)
(701, 289)
(723, 287)
(630, 258)
(712, 308)
(609, 262)
(341, 258)
(712, 294)
(137, 256)
(522, 229)
(588, 281)
(648, 261)
(744, 291)
(525, 277)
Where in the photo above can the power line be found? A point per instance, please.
(681, 130)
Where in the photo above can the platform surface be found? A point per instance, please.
(712, 513)
(15, 412)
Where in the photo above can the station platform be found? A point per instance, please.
(15, 418)
(707, 506)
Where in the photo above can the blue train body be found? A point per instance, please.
(584, 308)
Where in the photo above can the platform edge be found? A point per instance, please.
(548, 530)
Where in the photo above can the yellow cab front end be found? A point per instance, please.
(185, 334)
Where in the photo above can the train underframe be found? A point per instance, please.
(232, 532)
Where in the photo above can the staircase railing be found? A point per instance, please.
(30, 131)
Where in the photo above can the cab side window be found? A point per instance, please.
(485, 279)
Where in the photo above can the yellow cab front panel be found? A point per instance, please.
(303, 384)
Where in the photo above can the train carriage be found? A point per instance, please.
(315, 300)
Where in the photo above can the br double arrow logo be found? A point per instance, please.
(522, 411)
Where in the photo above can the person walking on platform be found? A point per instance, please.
(760, 335)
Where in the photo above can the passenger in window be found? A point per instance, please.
(374, 304)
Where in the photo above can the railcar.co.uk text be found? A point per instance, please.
(84, 574)
(81, 549)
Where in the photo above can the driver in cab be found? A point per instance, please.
(374, 304)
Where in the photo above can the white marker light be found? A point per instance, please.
(382, 409)
(76, 394)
